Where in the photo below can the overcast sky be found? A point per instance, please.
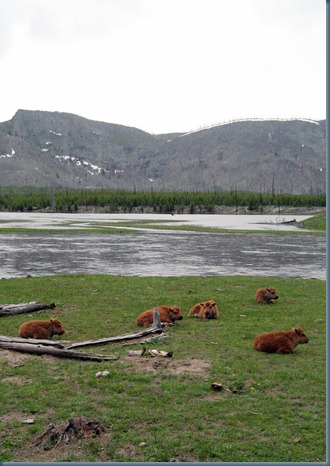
(164, 65)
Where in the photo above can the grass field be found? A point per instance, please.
(272, 407)
(316, 223)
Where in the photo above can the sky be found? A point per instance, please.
(164, 66)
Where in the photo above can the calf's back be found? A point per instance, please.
(280, 342)
(41, 329)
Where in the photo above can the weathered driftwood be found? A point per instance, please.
(64, 353)
(21, 308)
(156, 323)
(151, 339)
(165, 354)
(32, 341)
(103, 341)
(136, 352)
(287, 222)
(156, 328)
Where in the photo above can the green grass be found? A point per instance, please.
(278, 416)
(317, 222)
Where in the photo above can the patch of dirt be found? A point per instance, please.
(15, 358)
(16, 379)
(134, 454)
(128, 451)
(172, 366)
(141, 364)
(11, 418)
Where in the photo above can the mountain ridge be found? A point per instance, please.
(41, 148)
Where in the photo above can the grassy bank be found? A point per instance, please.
(317, 223)
(272, 407)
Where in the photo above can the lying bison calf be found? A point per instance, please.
(205, 310)
(266, 295)
(280, 342)
(41, 329)
(167, 314)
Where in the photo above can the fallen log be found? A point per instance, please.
(64, 353)
(287, 222)
(32, 341)
(21, 308)
(129, 336)
(156, 328)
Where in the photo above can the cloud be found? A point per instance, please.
(7, 24)
(164, 65)
(62, 21)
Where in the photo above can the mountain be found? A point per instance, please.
(60, 149)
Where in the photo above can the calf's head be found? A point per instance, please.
(57, 327)
(211, 309)
(300, 335)
(175, 313)
(272, 293)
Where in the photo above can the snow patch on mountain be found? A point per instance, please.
(76, 161)
(56, 134)
(2, 156)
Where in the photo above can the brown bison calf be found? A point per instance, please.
(167, 314)
(280, 342)
(266, 295)
(41, 329)
(205, 310)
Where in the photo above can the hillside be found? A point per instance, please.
(60, 149)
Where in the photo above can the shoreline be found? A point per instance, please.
(218, 210)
